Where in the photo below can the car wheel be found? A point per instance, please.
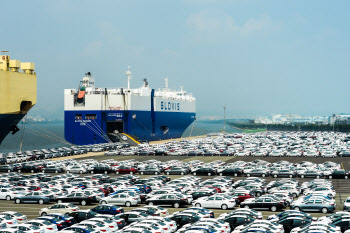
(67, 171)
(224, 207)
(273, 208)
(131, 173)
(32, 171)
(318, 177)
(235, 174)
(92, 172)
(330, 177)
(59, 201)
(128, 204)
(248, 174)
(56, 171)
(346, 177)
(194, 173)
(198, 205)
(290, 176)
(209, 174)
(324, 210)
(296, 208)
(246, 207)
(258, 194)
(295, 195)
(83, 202)
(156, 173)
(43, 214)
(18, 201)
(106, 172)
(263, 175)
(81, 172)
(103, 202)
(220, 174)
(182, 173)
(117, 172)
(150, 203)
(176, 205)
(8, 171)
(302, 176)
(141, 173)
(19, 171)
(41, 201)
(8, 198)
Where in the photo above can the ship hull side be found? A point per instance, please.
(7, 121)
(135, 123)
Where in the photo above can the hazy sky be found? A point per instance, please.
(257, 57)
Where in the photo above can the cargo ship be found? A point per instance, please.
(18, 92)
(98, 115)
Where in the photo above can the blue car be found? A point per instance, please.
(315, 205)
(203, 210)
(108, 209)
(60, 223)
(65, 217)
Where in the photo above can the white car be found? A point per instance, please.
(124, 138)
(121, 199)
(97, 226)
(62, 208)
(9, 194)
(28, 228)
(19, 217)
(215, 202)
(46, 225)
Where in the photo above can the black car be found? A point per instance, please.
(311, 174)
(263, 203)
(101, 169)
(53, 169)
(167, 200)
(205, 171)
(198, 194)
(78, 198)
(82, 215)
(237, 220)
(231, 172)
(339, 174)
(292, 222)
(184, 218)
(30, 168)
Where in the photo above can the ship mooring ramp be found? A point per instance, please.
(132, 141)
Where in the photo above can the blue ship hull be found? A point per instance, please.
(91, 127)
(8, 123)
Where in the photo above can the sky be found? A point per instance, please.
(256, 57)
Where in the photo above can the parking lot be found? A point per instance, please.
(341, 186)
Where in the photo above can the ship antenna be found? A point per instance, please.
(128, 73)
(224, 118)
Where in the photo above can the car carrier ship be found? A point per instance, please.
(18, 92)
(98, 115)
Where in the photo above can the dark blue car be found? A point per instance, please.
(65, 217)
(108, 209)
(60, 223)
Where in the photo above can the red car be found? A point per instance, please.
(126, 170)
(240, 197)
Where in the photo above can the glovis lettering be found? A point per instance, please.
(169, 106)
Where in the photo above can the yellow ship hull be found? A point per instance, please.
(18, 94)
